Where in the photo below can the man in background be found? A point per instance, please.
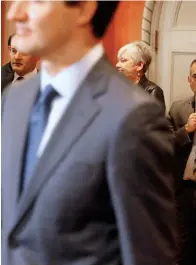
(86, 158)
(133, 61)
(20, 67)
(182, 117)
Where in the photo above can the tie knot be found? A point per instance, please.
(48, 95)
(20, 78)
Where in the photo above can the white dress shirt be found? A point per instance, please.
(27, 76)
(66, 84)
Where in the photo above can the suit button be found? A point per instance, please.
(13, 242)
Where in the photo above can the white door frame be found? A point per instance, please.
(162, 68)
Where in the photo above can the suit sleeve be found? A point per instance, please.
(182, 138)
(158, 94)
(141, 187)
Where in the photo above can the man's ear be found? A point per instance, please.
(9, 49)
(189, 79)
(87, 12)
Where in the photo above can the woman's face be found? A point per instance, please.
(128, 67)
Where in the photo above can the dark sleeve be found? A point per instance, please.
(182, 138)
(141, 187)
(3, 99)
(157, 92)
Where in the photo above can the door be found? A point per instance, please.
(176, 47)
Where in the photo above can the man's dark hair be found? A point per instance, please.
(193, 62)
(103, 15)
(10, 39)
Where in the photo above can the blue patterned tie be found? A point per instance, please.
(37, 124)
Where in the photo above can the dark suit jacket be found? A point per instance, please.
(178, 116)
(7, 75)
(102, 192)
(185, 189)
(152, 89)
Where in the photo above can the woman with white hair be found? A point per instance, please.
(133, 61)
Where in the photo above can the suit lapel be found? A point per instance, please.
(78, 117)
(190, 107)
(22, 114)
(15, 134)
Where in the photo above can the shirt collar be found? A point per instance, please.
(67, 81)
(27, 76)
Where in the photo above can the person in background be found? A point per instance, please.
(20, 67)
(86, 158)
(182, 118)
(133, 61)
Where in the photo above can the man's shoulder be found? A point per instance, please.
(124, 99)
(123, 90)
(128, 107)
(6, 68)
(181, 108)
(180, 104)
(21, 89)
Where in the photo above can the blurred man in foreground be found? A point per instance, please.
(80, 170)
